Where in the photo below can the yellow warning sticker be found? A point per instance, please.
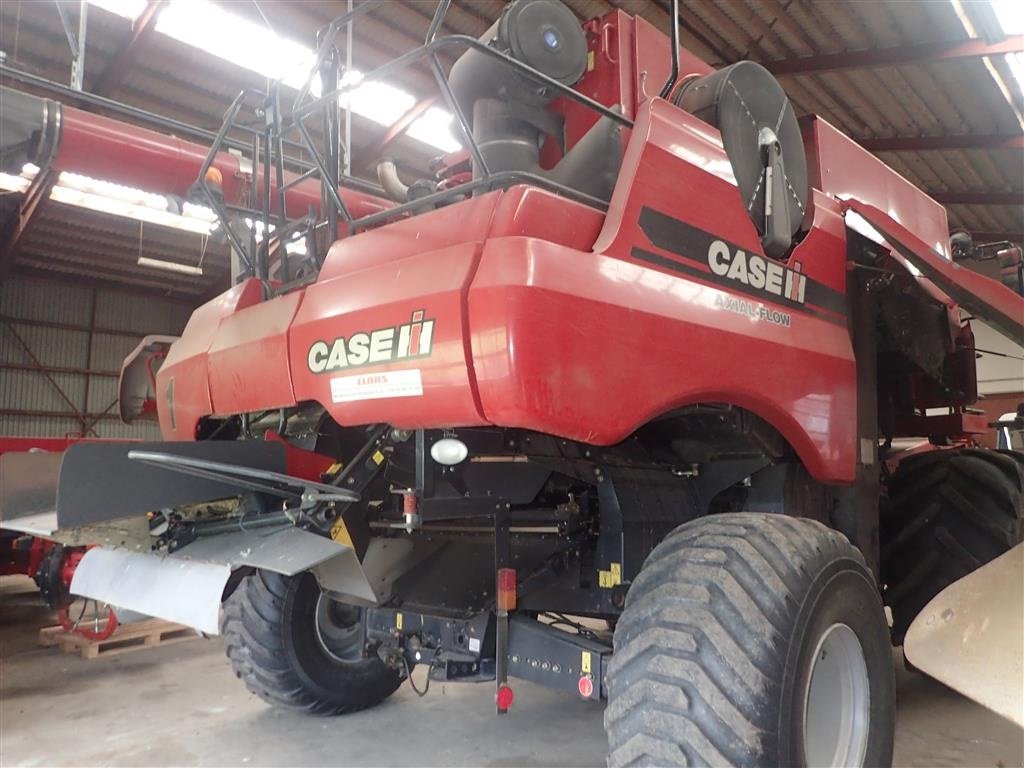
(590, 61)
(340, 533)
(585, 663)
(610, 578)
(398, 621)
(333, 469)
(378, 457)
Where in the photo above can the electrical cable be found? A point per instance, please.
(412, 683)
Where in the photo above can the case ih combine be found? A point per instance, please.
(626, 375)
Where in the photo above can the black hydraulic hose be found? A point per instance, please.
(674, 33)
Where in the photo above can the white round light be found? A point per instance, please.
(449, 451)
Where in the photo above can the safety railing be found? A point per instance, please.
(268, 148)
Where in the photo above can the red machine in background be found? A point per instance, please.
(49, 564)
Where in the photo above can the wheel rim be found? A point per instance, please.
(837, 701)
(339, 629)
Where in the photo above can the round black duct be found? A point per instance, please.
(745, 103)
(545, 35)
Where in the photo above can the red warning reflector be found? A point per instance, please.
(586, 686)
(506, 589)
(504, 697)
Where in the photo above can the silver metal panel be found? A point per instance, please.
(55, 302)
(186, 587)
(42, 524)
(970, 636)
(285, 550)
(28, 483)
(169, 588)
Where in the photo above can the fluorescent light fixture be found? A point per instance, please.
(379, 101)
(434, 127)
(9, 183)
(116, 200)
(248, 44)
(129, 9)
(116, 207)
(169, 266)
(218, 31)
(1010, 15)
(1015, 61)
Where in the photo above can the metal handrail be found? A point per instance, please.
(268, 142)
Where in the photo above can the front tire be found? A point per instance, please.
(295, 648)
(754, 640)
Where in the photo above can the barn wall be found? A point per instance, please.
(78, 335)
(998, 373)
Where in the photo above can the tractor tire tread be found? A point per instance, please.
(948, 512)
(696, 649)
(254, 625)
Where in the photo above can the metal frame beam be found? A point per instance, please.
(59, 369)
(964, 141)
(89, 418)
(978, 198)
(142, 27)
(981, 236)
(13, 236)
(75, 413)
(398, 128)
(8, 319)
(904, 54)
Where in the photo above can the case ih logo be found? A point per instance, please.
(757, 272)
(384, 345)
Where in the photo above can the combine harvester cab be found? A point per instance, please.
(625, 373)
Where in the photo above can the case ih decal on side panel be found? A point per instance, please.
(733, 268)
(384, 345)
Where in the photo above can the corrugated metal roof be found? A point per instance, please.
(917, 99)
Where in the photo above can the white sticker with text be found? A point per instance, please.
(374, 386)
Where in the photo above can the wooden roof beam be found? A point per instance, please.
(978, 198)
(903, 54)
(963, 141)
(142, 27)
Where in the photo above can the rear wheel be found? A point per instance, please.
(295, 647)
(949, 512)
(753, 640)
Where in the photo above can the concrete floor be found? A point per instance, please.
(181, 705)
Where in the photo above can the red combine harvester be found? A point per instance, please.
(625, 374)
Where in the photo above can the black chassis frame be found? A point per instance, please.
(574, 521)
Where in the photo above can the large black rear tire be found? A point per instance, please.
(720, 654)
(949, 512)
(286, 652)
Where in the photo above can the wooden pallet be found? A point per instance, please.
(149, 633)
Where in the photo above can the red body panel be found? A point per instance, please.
(544, 318)
(841, 168)
(183, 386)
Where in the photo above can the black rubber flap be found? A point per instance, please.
(98, 482)
(545, 35)
(739, 101)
